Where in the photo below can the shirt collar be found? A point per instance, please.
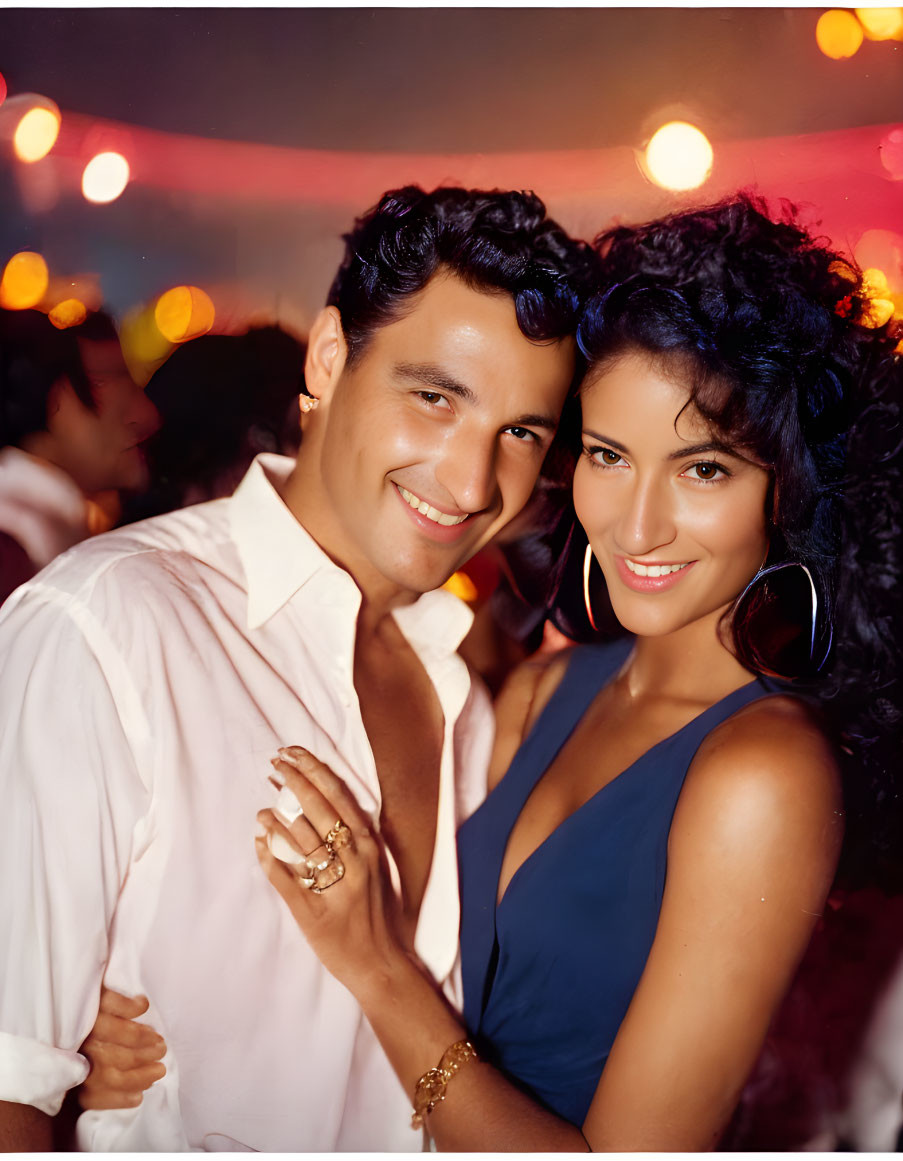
(279, 557)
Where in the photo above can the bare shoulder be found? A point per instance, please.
(765, 785)
(776, 746)
(520, 701)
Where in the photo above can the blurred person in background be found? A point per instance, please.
(72, 426)
(223, 399)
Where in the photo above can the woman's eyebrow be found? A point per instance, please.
(712, 445)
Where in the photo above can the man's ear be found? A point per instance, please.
(326, 354)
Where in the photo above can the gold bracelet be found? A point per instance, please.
(430, 1089)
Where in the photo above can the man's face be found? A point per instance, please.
(100, 448)
(433, 440)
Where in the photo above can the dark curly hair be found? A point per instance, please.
(492, 240)
(759, 317)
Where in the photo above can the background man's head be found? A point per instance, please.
(441, 365)
(67, 397)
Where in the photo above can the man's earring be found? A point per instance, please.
(308, 403)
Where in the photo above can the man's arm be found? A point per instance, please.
(71, 799)
(24, 1129)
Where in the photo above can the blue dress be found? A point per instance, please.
(549, 973)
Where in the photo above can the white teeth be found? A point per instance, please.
(431, 513)
(653, 569)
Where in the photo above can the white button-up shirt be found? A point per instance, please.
(146, 679)
(41, 506)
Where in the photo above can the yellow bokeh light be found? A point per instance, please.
(879, 307)
(460, 584)
(24, 281)
(679, 156)
(36, 134)
(183, 313)
(880, 23)
(105, 177)
(69, 313)
(838, 34)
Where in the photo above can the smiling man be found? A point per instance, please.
(303, 610)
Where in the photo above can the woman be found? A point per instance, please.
(611, 1005)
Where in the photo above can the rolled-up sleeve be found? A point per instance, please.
(71, 798)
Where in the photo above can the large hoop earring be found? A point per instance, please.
(782, 626)
(587, 564)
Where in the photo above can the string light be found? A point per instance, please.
(838, 34)
(881, 23)
(184, 313)
(71, 312)
(105, 177)
(37, 131)
(24, 281)
(679, 156)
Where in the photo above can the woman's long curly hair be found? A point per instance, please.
(761, 320)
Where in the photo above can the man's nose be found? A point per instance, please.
(468, 471)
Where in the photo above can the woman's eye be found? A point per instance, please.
(604, 457)
(705, 472)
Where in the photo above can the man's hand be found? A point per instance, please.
(123, 1054)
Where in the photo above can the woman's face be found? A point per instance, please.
(676, 519)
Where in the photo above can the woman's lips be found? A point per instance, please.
(676, 571)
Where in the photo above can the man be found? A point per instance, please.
(146, 682)
(72, 422)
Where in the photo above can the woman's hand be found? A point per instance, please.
(124, 1055)
(329, 867)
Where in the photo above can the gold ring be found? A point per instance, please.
(340, 836)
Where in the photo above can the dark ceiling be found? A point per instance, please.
(448, 79)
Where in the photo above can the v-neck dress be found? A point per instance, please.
(549, 972)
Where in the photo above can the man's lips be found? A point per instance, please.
(436, 529)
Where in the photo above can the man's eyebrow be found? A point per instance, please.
(433, 376)
(429, 375)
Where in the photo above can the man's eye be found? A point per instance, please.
(433, 398)
(522, 433)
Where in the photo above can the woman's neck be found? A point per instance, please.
(690, 664)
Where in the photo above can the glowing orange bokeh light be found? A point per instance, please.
(881, 23)
(68, 313)
(880, 308)
(460, 584)
(36, 133)
(105, 177)
(679, 156)
(838, 34)
(184, 313)
(24, 281)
